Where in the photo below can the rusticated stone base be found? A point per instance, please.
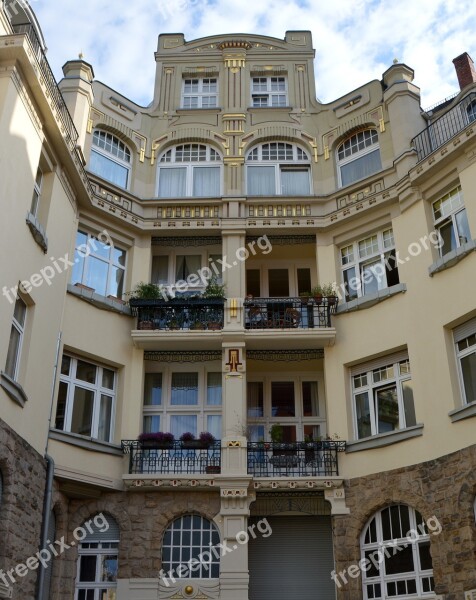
(24, 478)
(445, 488)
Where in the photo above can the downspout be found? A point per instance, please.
(48, 500)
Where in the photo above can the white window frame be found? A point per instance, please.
(37, 190)
(300, 160)
(471, 111)
(202, 410)
(299, 421)
(453, 203)
(99, 549)
(352, 153)
(96, 388)
(262, 88)
(463, 353)
(168, 160)
(87, 251)
(123, 158)
(378, 544)
(380, 247)
(365, 375)
(20, 329)
(206, 567)
(201, 94)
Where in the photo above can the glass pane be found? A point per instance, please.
(312, 432)
(206, 181)
(172, 182)
(361, 167)
(304, 280)
(214, 389)
(256, 433)
(351, 284)
(282, 399)
(105, 418)
(278, 283)
(153, 389)
(119, 256)
(97, 275)
(65, 364)
(468, 368)
(261, 181)
(373, 277)
(61, 405)
(19, 312)
(214, 425)
(462, 225)
(448, 240)
(108, 169)
(116, 282)
(151, 424)
(425, 557)
(289, 434)
(160, 269)
(391, 269)
(295, 182)
(184, 389)
(386, 410)
(81, 421)
(255, 398)
(87, 568)
(109, 568)
(362, 411)
(183, 423)
(86, 371)
(401, 562)
(108, 379)
(408, 403)
(310, 399)
(253, 286)
(13, 352)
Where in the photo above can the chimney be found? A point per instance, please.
(465, 70)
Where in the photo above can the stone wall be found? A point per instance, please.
(24, 479)
(445, 488)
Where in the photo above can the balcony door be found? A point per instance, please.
(277, 281)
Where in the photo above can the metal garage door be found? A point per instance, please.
(294, 562)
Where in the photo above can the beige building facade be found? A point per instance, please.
(283, 287)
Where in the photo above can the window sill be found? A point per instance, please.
(452, 258)
(13, 389)
(371, 299)
(193, 111)
(464, 412)
(99, 301)
(85, 442)
(385, 439)
(37, 232)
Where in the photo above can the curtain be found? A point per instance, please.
(153, 389)
(105, 418)
(172, 182)
(295, 182)
(261, 181)
(361, 167)
(151, 424)
(214, 425)
(184, 389)
(214, 389)
(206, 181)
(255, 399)
(160, 269)
(310, 399)
(108, 169)
(182, 423)
(187, 265)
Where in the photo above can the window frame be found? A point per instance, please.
(20, 328)
(265, 266)
(376, 543)
(98, 390)
(125, 164)
(381, 255)
(342, 162)
(268, 92)
(200, 94)
(461, 354)
(37, 192)
(450, 217)
(297, 162)
(371, 387)
(99, 548)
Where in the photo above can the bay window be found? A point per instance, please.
(110, 159)
(358, 157)
(451, 221)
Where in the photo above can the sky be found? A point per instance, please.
(355, 40)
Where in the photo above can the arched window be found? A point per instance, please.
(110, 159)
(278, 168)
(190, 170)
(187, 545)
(96, 577)
(395, 546)
(471, 111)
(358, 157)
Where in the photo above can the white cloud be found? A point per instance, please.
(355, 40)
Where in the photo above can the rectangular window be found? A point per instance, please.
(35, 201)
(86, 399)
(369, 265)
(16, 338)
(465, 340)
(269, 91)
(200, 92)
(99, 265)
(383, 398)
(451, 221)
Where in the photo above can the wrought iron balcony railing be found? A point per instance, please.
(179, 314)
(289, 313)
(298, 459)
(446, 127)
(176, 458)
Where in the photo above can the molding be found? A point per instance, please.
(13, 389)
(371, 299)
(285, 355)
(464, 412)
(190, 588)
(99, 301)
(191, 356)
(192, 241)
(385, 439)
(86, 443)
(22, 90)
(297, 483)
(452, 258)
(150, 482)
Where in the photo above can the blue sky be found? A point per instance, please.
(355, 40)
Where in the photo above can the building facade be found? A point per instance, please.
(263, 273)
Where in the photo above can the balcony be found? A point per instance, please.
(179, 458)
(164, 322)
(271, 320)
(446, 127)
(297, 459)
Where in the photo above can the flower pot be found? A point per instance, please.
(146, 325)
(213, 469)
(331, 300)
(318, 298)
(156, 445)
(194, 444)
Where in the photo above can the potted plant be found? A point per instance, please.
(197, 325)
(317, 293)
(214, 289)
(329, 291)
(207, 439)
(145, 291)
(174, 324)
(304, 296)
(159, 439)
(276, 433)
(189, 440)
